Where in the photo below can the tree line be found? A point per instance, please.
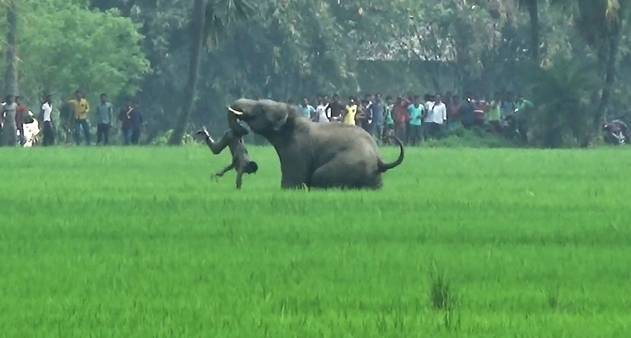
(184, 60)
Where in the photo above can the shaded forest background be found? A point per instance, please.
(184, 60)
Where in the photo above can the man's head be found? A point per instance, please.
(18, 100)
(251, 168)
(103, 98)
(305, 101)
(438, 99)
(417, 100)
(47, 98)
(9, 99)
(78, 95)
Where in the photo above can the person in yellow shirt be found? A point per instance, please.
(351, 112)
(81, 109)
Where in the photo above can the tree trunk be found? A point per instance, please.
(198, 32)
(615, 36)
(533, 12)
(11, 74)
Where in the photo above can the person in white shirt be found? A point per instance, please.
(429, 116)
(436, 117)
(47, 118)
(321, 111)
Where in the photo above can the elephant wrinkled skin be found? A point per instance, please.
(315, 155)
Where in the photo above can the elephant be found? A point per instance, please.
(316, 155)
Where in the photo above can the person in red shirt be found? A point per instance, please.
(453, 109)
(20, 115)
(401, 118)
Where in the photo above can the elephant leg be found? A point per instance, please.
(294, 175)
(338, 174)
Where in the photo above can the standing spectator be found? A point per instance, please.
(321, 111)
(416, 111)
(81, 109)
(125, 117)
(9, 128)
(453, 112)
(47, 119)
(363, 115)
(494, 116)
(507, 106)
(428, 121)
(105, 116)
(389, 132)
(377, 110)
(522, 110)
(436, 117)
(351, 112)
(21, 114)
(136, 124)
(336, 109)
(401, 118)
(307, 110)
(467, 114)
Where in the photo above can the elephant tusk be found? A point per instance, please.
(236, 112)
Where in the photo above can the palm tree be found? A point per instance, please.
(209, 20)
(616, 19)
(602, 23)
(11, 73)
(533, 12)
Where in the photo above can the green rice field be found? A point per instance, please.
(141, 242)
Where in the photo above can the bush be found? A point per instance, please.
(565, 104)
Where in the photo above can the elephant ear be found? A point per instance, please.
(277, 115)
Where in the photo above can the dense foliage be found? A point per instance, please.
(289, 49)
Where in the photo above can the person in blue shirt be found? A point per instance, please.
(307, 110)
(378, 113)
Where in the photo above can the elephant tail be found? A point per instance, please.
(383, 167)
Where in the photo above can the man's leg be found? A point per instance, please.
(48, 134)
(86, 131)
(106, 134)
(218, 146)
(99, 133)
(126, 136)
(135, 136)
(77, 132)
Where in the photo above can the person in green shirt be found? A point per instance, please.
(522, 110)
(417, 112)
(494, 115)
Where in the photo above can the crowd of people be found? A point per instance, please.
(414, 119)
(15, 117)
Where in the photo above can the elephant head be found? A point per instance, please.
(264, 117)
